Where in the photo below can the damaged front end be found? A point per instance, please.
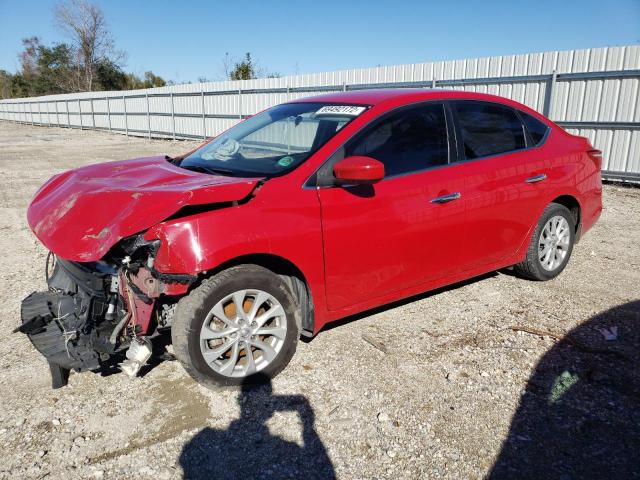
(99, 314)
(105, 299)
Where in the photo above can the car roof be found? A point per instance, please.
(377, 96)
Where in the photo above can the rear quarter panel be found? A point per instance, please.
(570, 171)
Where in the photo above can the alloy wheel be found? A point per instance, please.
(553, 244)
(243, 333)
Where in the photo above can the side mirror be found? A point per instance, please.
(358, 170)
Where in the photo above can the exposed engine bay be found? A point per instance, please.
(99, 314)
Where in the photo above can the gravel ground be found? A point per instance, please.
(440, 386)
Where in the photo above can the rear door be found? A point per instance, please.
(383, 238)
(504, 179)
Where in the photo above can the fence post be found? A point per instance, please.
(40, 109)
(240, 103)
(80, 113)
(126, 121)
(344, 86)
(548, 94)
(148, 117)
(31, 113)
(55, 104)
(93, 117)
(109, 112)
(288, 93)
(433, 82)
(173, 116)
(204, 118)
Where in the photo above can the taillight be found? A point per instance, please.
(596, 156)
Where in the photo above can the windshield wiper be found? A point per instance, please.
(212, 170)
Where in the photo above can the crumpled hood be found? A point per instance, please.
(80, 214)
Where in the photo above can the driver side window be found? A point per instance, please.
(409, 140)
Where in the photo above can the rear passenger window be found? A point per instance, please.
(488, 129)
(406, 141)
(537, 130)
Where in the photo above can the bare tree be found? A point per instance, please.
(245, 68)
(92, 43)
(227, 65)
(29, 57)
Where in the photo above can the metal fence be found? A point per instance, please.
(593, 93)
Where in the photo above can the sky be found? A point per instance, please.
(186, 40)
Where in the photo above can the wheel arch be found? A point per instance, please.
(573, 205)
(563, 198)
(291, 274)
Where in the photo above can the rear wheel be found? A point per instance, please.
(237, 324)
(551, 244)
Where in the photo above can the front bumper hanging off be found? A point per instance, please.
(90, 316)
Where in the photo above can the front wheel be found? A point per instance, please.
(236, 324)
(551, 244)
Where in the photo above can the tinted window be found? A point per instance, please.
(409, 140)
(489, 129)
(537, 130)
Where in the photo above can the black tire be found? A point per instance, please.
(192, 310)
(532, 268)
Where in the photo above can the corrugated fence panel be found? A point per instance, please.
(592, 92)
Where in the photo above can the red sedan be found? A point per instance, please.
(308, 212)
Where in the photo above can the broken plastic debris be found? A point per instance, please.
(562, 385)
(610, 334)
(137, 355)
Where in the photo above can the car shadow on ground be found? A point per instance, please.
(402, 302)
(246, 449)
(579, 417)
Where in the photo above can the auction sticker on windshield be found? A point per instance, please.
(350, 110)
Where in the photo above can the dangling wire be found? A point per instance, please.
(51, 260)
(67, 335)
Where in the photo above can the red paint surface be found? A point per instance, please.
(82, 213)
(361, 169)
(354, 251)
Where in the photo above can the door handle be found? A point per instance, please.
(446, 198)
(536, 178)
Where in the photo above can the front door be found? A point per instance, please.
(404, 230)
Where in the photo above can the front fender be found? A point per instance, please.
(203, 242)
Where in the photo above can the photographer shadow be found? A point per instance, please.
(579, 417)
(246, 449)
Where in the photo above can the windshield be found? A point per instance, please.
(274, 141)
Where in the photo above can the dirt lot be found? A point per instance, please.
(427, 388)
